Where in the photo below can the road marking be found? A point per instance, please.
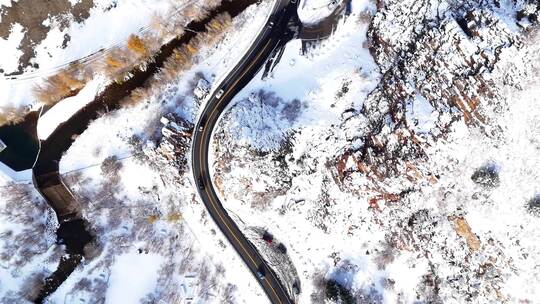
(273, 290)
(237, 80)
(243, 248)
(223, 97)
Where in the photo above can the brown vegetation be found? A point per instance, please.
(463, 229)
(64, 84)
(119, 61)
(12, 115)
(136, 44)
(181, 60)
(174, 217)
(117, 64)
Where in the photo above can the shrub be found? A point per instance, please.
(219, 23)
(210, 4)
(57, 87)
(174, 217)
(12, 115)
(195, 12)
(487, 175)
(110, 168)
(534, 204)
(228, 295)
(338, 293)
(318, 286)
(117, 64)
(169, 25)
(33, 286)
(136, 45)
(114, 63)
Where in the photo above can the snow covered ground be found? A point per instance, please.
(7, 175)
(155, 241)
(109, 24)
(62, 111)
(313, 11)
(142, 279)
(449, 229)
(459, 223)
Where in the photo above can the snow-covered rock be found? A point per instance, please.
(202, 89)
(422, 186)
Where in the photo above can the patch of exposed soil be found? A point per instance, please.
(31, 14)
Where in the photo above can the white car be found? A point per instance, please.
(219, 94)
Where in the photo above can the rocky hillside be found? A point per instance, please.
(441, 61)
(405, 175)
(450, 65)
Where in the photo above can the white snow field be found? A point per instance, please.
(110, 23)
(274, 165)
(314, 11)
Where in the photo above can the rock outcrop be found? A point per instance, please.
(448, 60)
(171, 152)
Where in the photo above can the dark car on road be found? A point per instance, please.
(200, 183)
(261, 273)
(296, 287)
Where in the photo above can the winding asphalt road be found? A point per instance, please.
(267, 40)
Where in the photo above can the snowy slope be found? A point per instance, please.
(313, 11)
(377, 183)
(109, 24)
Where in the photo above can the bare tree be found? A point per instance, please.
(61, 85)
(12, 115)
(110, 168)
